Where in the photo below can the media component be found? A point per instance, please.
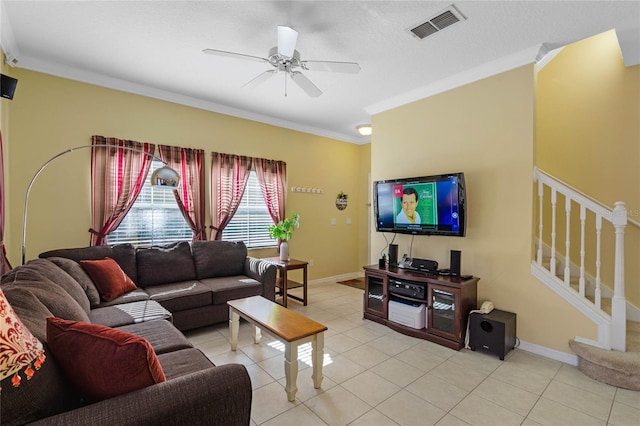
(428, 205)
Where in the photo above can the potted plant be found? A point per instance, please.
(283, 231)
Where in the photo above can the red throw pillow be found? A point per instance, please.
(109, 278)
(100, 361)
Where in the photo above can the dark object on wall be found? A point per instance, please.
(494, 332)
(393, 255)
(8, 86)
(454, 264)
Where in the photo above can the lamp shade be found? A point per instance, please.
(18, 347)
(165, 177)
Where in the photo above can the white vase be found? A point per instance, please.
(284, 250)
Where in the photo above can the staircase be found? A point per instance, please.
(614, 358)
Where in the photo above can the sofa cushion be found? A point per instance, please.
(47, 392)
(124, 254)
(181, 295)
(165, 264)
(229, 288)
(78, 273)
(102, 362)
(183, 362)
(110, 316)
(54, 297)
(46, 272)
(51, 271)
(29, 309)
(218, 258)
(162, 335)
(109, 278)
(136, 295)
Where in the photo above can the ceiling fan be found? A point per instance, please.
(285, 58)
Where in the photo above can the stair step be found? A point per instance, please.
(633, 336)
(621, 369)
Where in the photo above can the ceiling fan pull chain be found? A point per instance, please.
(285, 83)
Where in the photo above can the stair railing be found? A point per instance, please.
(612, 336)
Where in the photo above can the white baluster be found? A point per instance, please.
(567, 243)
(552, 265)
(540, 201)
(618, 302)
(583, 217)
(598, 295)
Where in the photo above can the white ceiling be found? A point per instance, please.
(155, 48)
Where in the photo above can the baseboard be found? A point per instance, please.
(336, 278)
(549, 353)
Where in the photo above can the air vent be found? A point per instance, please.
(436, 23)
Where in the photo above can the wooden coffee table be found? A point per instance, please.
(283, 324)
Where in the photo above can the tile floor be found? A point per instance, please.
(375, 376)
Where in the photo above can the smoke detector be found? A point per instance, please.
(443, 19)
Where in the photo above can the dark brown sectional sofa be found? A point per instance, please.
(192, 281)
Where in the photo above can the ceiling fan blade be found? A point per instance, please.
(287, 38)
(305, 84)
(261, 78)
(234, 55)
(344, 67)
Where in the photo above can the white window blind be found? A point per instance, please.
(251, 221)
(154, 218)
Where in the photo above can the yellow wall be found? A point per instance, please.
(588, 135)
(50, 114)
(5, 105)
(486, 130)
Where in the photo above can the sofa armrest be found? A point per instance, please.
(218, 395)
(264, 272)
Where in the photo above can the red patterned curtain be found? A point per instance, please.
(272, 176)
(4, 262)
(117, 176)
(229, 176)
(190, 195)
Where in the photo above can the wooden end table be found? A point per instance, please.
(283, 324)
(284, 284)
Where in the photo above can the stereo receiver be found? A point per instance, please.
(407, 288)
(417, 264)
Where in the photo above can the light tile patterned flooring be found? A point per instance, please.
(375, 376)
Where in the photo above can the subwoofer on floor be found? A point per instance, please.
(494, 332)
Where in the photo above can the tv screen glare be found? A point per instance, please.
(427, 205)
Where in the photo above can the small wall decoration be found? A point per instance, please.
(341, 201)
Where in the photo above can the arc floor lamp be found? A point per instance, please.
(164, 177)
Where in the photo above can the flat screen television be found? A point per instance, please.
(427, 205)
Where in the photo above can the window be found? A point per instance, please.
(251, 221)
(154, 218)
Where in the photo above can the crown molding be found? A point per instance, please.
(526, 56)
(83, 76)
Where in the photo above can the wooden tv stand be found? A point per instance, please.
(448, 302)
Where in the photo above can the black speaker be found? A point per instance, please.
(454, 265)
(393, 255)
(8, 86)
(494, 332)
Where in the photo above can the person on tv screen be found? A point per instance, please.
(409, 215)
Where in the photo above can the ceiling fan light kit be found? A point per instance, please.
(285, 58)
